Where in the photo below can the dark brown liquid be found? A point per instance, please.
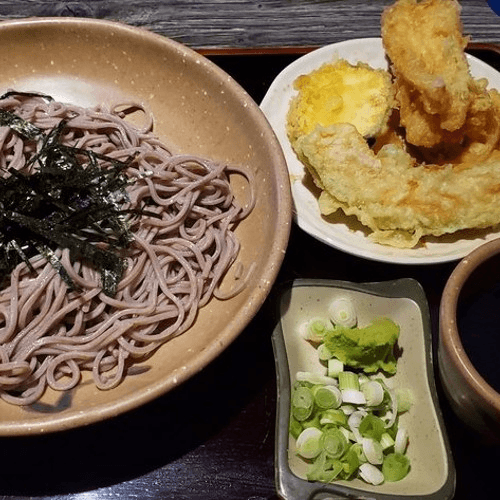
(478, 320)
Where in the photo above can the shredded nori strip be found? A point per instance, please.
(73, 199)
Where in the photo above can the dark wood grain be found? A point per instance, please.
(215, 24)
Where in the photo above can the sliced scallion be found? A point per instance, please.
(327, 396)
(372, 426)
(395, 467)
(394, 409)
(324, 354)
(302, 403)
(373, 451)
(309, 442)
(324, 469)
(335, 366)
(358, 449)
(386, 441)
(333, 417)
(343, 313)
(316, 328)
(315, 378)
(354, 397)
(294, 427)
(404, 398)
(351, 463)
(401, 440)
(371, 474)
(373, 391)
(354, 421)
(348, 380)
(334, 443)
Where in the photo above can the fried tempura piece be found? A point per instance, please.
(340, 92)
(399, 201)
(476, 139)
(424, 42)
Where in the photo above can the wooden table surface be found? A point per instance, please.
(213, 25)
(213, 437)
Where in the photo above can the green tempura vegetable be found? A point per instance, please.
(370, 348)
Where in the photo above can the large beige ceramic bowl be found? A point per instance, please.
(468, 355)
(199, 109)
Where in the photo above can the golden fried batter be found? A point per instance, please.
(435, 165)
(442, 107)
(424, 42)
(399, 201)
(340, 92)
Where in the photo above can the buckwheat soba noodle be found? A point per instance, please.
(182, 246)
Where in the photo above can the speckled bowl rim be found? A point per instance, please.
(450, 338)
(295, 488)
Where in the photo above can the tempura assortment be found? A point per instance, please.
(422, 156)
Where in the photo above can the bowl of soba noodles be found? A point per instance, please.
(145, 212)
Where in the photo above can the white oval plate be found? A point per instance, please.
(342, 232)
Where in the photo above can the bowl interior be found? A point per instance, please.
(478, 317)
(197, 108)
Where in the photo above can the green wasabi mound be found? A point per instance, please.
(370, 348)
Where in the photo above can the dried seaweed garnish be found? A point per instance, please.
(22, 127)
(74, 199)
(10, 93)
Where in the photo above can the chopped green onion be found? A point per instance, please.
(302, 403)
(334, 443)
(350, 463)
(386, 441)
(371, 474)
(324, 354)
(401, 441)
(394, 409)
(335, 366)
(294, 427)
(315, 378)
(373, 391)
(324, 469)
(348, 380)
(348, 434)
(333, 417)
(373, 451)
(371, 426)
(395, 467)
(353, 422)
(354, 397)
(316, 329)
(358, 449)
(327, 396)
(355, 418)
(348, 408)
(342, 312)
(404, 398)
(309, 442)
(312, 422)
